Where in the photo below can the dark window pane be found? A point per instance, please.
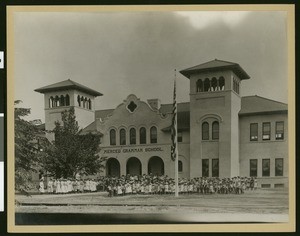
(279, 130)
(279, 167)
(180, 168)
(266, 134)
(205, 131)
(215, 167)
(122, 137)
(132, 136)
(253, 167)
(153, 134)
(266, 167)
(112, 137)
(254, 132)
(179, 136)
(199, 85)
(143, 135)
(215, 130)
(205, 167)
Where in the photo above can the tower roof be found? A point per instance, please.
(68, 84)
(216, 65)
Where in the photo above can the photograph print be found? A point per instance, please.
(150, 116)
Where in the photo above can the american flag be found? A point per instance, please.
(174, 125)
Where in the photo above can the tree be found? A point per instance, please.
(26, 149)
(72, 153)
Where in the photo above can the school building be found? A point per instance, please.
(220, 133)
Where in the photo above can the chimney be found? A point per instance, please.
(154, 103)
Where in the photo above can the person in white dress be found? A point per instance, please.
(41, 186)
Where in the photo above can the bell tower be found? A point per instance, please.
(214, 106)
(62, 96)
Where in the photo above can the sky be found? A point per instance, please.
(122, 53)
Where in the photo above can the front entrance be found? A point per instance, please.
(133, 166)
(156, 166)
(113, 167)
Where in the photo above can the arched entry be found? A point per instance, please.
(133, 166)
(112, 167)
(156, 166)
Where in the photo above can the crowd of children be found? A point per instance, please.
(149, 184)
(62, 186)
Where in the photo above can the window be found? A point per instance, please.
(180, 167)
(82, 101)
(279, 130)
(56, 101)
(51, 102)
(112, 137)
(199, 85)
(62, 100)
(221, 83)
(67, 100)
(206, 85)
(143, 135)
(205, 131)
(122, 137)
(279, 167)
(215, 167)
(214, 84)
(179, 136)
(153, 135)
(205, 167)
(215, 130)
(79, 101)
(132, 136)
(253, 132)
(253, 167)
(90, 104)
(265, 167)
(266, 132)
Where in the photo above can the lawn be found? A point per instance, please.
(259, 205)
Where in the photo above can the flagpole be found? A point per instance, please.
(176, 146)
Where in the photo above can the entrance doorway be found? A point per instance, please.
(133, 166)
(156, 166)
(112, 167)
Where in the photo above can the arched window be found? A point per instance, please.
(79, 101)
(62, 100)
(180, 167)
(122, 137)
(86, 103)
(82, 101)
(215, 130)
(67, 100)
(199, 85)
(206, 85)
(112, 137)
(51, 102)
(221, 83)
(153, 134)
(56, 101)
(205, 131)
(214, 84)
(90, 104)
(132, 135)
(143, 135)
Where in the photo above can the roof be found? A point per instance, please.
(216, 65)
(252, 105)
(103, 113)
(91, 128)
(68, 84)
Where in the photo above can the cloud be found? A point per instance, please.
(203, 19)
